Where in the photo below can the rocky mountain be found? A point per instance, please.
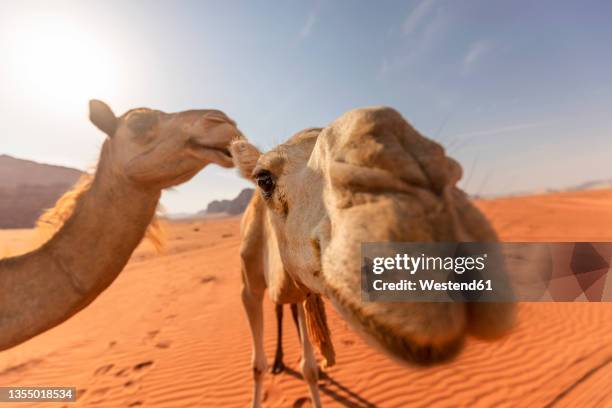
(231, 207)
(592, 185)
(28, 187)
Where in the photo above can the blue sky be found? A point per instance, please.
(520, 92)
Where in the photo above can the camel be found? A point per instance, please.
(367, 177)
(145, 151)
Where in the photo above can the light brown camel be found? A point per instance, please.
(367, 177)
(146, 151)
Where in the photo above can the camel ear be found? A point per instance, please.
(245, 157)
(103, 117)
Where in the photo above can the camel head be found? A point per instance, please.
(157, 149)
(371, 177)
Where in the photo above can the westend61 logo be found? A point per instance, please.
(486, 272)
(412, 264)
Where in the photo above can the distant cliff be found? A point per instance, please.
(231, 207)
(27, 188)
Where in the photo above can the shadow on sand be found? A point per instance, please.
(335, 390)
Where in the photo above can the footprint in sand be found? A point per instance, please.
(103, 369)
(143, 365)
(121, 373)
(152, 334)
(163, 344)
(135, 373)
(124, 372)
(208, 279)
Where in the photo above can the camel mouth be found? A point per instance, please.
(194, 144)
(223, 150)
(206, 153)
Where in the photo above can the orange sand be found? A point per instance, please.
(170, 332)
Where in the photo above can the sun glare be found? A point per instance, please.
(59, 63)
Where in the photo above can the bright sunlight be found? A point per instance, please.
(58, 61)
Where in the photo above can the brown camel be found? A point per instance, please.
(146, 151)
(367, 177)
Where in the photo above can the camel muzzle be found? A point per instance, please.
(421, 333)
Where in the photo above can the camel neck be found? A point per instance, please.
(41, 289)
(108, 223)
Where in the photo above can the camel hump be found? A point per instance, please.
(318, 330)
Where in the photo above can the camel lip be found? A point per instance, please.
(205, 153)
(194, 144)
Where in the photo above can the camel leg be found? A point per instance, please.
(254, 308)
(294, 314)
(278, 365)
(310, 370)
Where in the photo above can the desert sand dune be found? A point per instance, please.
(170, 332)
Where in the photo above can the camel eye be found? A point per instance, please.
(265, 181)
